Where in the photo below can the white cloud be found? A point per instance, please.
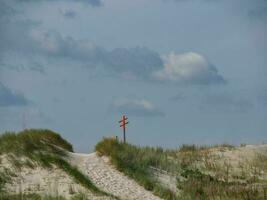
(135, 107)
(188, 67)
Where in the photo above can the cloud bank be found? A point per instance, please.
(137, 63)
(135, 107)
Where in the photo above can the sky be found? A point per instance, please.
(183, 71)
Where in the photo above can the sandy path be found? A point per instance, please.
(43, 181)
(106, 177)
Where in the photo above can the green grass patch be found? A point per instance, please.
(29, 141)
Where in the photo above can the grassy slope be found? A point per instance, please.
(27, 141)
(41, 146)
(135, 162)
(190, 164)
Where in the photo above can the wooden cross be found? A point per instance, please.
(123, 123)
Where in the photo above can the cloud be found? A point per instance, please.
(137, 63)
(68, 13)
(188, 68)
(135, 107)
(10, 98)
(133, 63)
(137, 60)
(53, 44)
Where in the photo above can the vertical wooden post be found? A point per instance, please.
(123, 123)
(124, 134)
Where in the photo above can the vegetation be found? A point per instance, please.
(41, 147)
(4, 178)
(199, 173)
(74, 172)
(30, 141)
(137, 162)
(193, 147)
(202, 186)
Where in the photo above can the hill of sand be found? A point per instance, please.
(31, 177)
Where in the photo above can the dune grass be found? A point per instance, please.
(136, 162)
(40, 147)
(75, 173)
(198, 185)
(32, 140)
(193, 166)
(193, 147)
(4, 178)
(198, 176)
(33, 144)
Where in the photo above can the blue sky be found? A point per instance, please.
(183, 71)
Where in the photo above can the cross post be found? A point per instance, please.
(123, 123)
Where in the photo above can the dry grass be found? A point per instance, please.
(202, 171)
